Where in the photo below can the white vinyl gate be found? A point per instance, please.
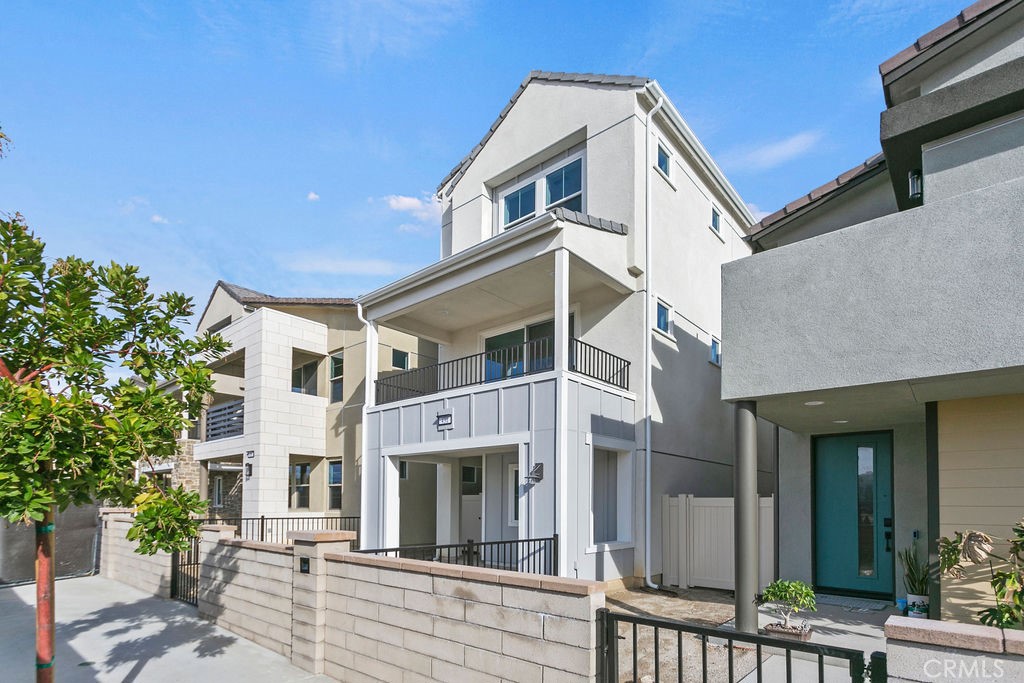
(697, 542)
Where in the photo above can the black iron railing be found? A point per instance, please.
(224, 420)
(185, 573)
(531, 555)
(658, 649)
(598, 364)
(536, 355)
(275, 529)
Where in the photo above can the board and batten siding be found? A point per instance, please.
(981, 485)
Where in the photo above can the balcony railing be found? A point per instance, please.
(275, 529)
(224, 420)
(536, 355)
(528, 555)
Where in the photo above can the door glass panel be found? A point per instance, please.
(503, 355)
(866, 510)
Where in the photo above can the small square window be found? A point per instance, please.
(400, 359)
(715, 220)
(521, 203)
(663, 161)
(716, 352)
(664, 322)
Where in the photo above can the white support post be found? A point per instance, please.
(448, 503)
(392, 502)
(371, 498)
(561, 431)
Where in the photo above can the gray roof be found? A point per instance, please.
(246, 296)
(820, 194)
(549, 76)
(589, 221)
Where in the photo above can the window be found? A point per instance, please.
(403, 469)
(715, 220)
(565, 187)
(562, 187)
(664, 318)
(217, 498)
(298, 485)
(520, 204)
(334, 476)
(664, 161)
(611, 498)
(337, 375)
(513, 495)
(304, 379)
(471, 480)
(716, 352)
(400, 359)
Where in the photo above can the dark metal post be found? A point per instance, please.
(554, 555)
(745, 496)
(263, 527)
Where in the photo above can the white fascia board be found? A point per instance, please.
(700, 153)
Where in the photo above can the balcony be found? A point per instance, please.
(531, 357)
(224, 420)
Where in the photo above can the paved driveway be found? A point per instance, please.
(107, 631)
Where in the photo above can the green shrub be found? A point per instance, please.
(788, 598)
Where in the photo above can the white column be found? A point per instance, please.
(371, 488)
(392, 502)
(561, 431)
(448, 499)
(372, 356)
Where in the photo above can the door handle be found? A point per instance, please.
(888, 541)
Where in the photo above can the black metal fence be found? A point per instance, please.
(275, 529)
(665, 650)
(185, 573)
(536, 355)
(531, 555)
(225, 420)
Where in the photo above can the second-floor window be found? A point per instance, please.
(716, 220)
(400, 359)
(561, 187)
(337, 377)
(304, 379)
(716, 352)
(664, 161)
(664, 318)
(334, 479)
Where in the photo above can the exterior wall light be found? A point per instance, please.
(916, 184)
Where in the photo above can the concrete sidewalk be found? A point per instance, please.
(107, 631)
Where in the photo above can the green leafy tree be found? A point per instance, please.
(70, 432)
(788, 598)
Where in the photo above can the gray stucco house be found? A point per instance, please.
(880, 325)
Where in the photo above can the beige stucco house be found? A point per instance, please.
(576, 309)
(880, 326)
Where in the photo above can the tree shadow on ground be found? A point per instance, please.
(156, 627)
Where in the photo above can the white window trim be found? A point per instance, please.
(539, 180)
(711, 227)
(711, 359)
(671, 156)
(408, 359)
(484, 335)
(217, 499)
(340, 485)
(513, 491)
(624, 494)
(671, 334)
(332, 378)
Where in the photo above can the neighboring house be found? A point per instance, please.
(881, 328)
(581, 246)
(281, 434)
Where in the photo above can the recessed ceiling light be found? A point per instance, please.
(814, 403)
(840, 422)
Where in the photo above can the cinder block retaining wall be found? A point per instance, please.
(401, 620)
(119, 561)
(927, 650)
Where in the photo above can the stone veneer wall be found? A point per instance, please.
(119, 561)
(927, 650)
(186, 468)
(400, 620)
(246, 588)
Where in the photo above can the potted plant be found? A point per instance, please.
(915, 580)
(787, 599)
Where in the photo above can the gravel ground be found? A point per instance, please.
(697, 606)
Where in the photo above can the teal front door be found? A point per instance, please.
(853, 524)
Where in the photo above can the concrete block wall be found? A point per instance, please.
(921, 650)
(406, 620)
(119, 561)
(246, 587)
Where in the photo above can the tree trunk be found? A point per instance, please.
(44, 598)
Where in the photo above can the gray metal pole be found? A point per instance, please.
(745, 492)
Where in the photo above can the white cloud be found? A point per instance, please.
(769, 155)
(307, 262)
(312, 197)
(871, 13)
(129, 206)
(158, 219)
(425, 209)
(757, 211)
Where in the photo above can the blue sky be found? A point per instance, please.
(293, 147)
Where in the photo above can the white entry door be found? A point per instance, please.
(470, 524)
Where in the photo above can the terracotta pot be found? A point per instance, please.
(795, 632)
